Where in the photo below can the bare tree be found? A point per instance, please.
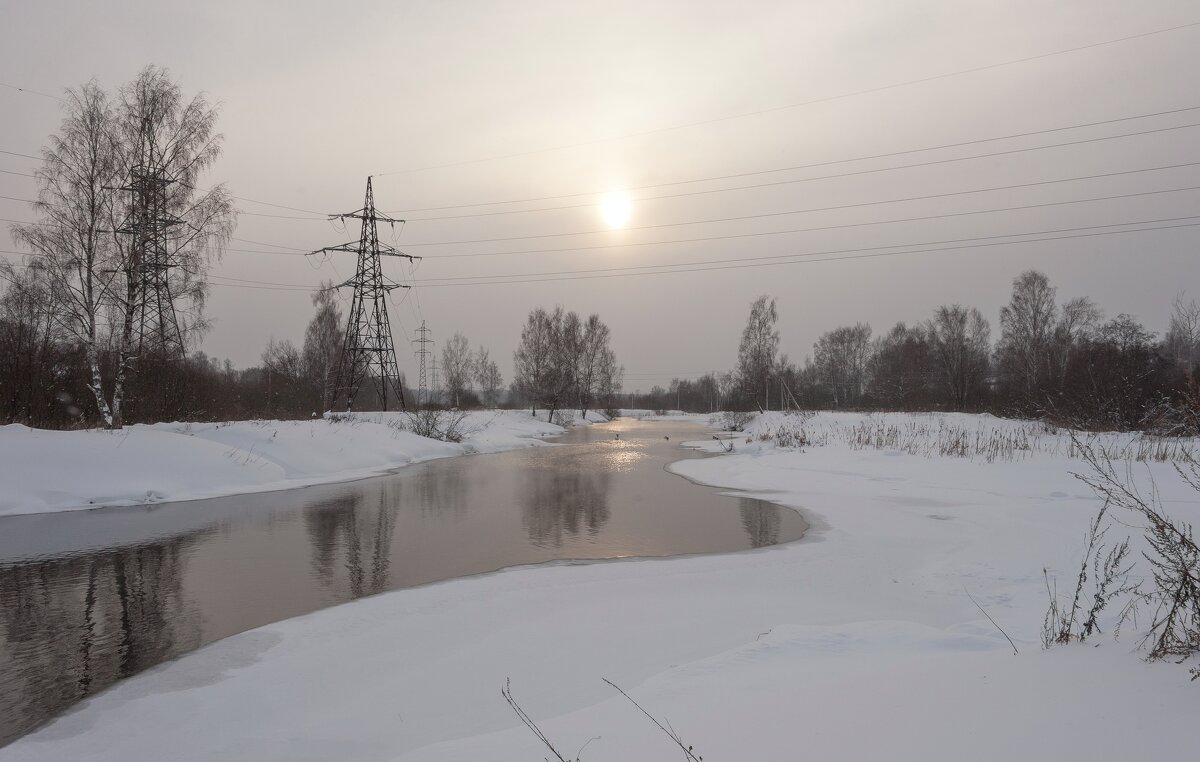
(155, 119)
(533, 361)
(1027, 329)
(284, 368)
(901, 367)
(29, 343)
(756, 353)
(595, 364)
(841, 357)
(560, 359)
(487, 377)
(457, 368)
(612, 378)
(323, 342)
(74, 208)
(960, 342)
(1078, 321)
(1182, 341)
(95, 272)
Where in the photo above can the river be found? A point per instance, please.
(90, 597)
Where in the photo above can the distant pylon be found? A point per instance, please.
(422, 354)
(148, 223)
(367, 349)
(435, 391)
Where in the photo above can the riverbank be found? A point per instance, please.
(44, 471)
(859, 642)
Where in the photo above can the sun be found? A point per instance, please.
(615, 208)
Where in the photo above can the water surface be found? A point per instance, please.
(90, 597)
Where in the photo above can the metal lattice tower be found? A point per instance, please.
(149, 224)
(435, 391)
(367, 349)
(423, 355)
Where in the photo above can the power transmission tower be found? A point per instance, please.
(423, 353)
(149, 223)
(367, 349)
(435, 391)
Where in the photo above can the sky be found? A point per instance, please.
(454, 106)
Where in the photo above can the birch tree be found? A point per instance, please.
(456, 368)
(323, 343)
(596, 361)
(533, 363)
(1026, 330)
(95, 271)
(72, 237)
(756, 353)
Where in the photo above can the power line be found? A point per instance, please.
(800, 104)
(239, 211)
(737, 175)
(815, 209)
(869, 223)
(22, 155)
(438, 281)
(32, 92)
(805, 261)
(763, 215)
(798, 259)
(741, 262)
(827, 163)
(807, 179)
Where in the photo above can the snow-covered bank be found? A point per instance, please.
(859, 642)
(67, 470)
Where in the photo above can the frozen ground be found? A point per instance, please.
(859, 642)
(68, 470)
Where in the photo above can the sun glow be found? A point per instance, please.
(615, 208)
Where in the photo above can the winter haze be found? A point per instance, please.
(315, 97)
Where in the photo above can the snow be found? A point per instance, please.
(67, 470)
(858, 642)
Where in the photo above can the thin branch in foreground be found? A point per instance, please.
(687, 750)
(506, 692)
(993, 621)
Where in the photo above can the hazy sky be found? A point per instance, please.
(316, 96)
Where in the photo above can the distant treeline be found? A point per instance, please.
(562, 361)
(1061, 361)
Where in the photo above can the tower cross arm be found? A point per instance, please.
(388, 251)
(362, 214)
(349, 248)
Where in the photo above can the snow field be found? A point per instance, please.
(858, 642)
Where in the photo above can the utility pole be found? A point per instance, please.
(423, 355)
(150, 263)
(368, 349)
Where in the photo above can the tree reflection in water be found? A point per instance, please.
(357, 535)
(562, 501)
(761, 520)
(72, 626)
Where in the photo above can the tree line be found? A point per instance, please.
(1061, 360)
